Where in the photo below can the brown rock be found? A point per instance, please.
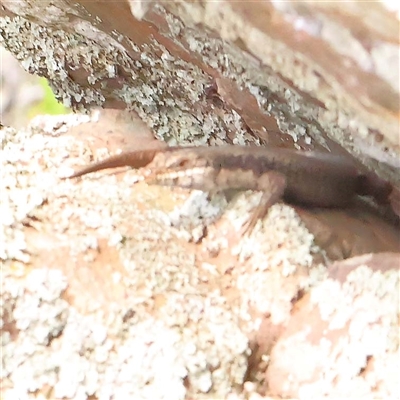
(343, 339)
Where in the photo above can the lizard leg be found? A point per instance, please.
(273, 185)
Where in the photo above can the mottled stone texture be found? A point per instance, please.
(114, 290)
(286, 74)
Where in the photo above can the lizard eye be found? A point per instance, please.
(183, 163)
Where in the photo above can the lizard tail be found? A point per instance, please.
(134, 159)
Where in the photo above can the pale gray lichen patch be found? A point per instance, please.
(243, 69)
(25, 187)
(221, 347)
(178, 116)
(57, 124)
(358, 347)
(276, 260)
(171, 336)
(309, 114)
(88, 67)
(292, 243)
(56, 10)
(280, 254)
(179, 317)
(54, 53)
(197, 213)
(373, 290)
(33, 307)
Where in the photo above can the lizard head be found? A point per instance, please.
(177, 159)
(181, 167)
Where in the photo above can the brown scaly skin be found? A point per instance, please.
(134, 159)
(308, 178)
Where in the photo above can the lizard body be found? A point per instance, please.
(309, 178)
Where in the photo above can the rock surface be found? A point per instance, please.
(284, 74)
(112, 289)
(115, 289)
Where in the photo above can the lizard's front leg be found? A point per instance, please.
(271, 183)
(211, 180)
